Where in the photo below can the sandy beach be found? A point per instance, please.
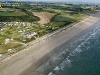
(35, 55)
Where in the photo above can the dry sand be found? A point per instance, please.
(28, 61)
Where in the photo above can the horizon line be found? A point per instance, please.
(77, 2)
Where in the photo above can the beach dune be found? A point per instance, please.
(28, 61)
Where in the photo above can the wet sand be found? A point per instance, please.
(29, 60)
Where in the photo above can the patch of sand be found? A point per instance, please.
(45, 17)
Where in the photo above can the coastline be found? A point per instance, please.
(38, 40)
(40, 53)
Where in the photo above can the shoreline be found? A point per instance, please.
(41, 52)
(55, 51)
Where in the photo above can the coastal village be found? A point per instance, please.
(13, 35)
(23, 31)
(8, 4)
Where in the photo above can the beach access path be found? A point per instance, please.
(37, 54)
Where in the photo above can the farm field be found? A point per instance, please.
(62, 20)
(53, 10)
(64, 17)
(45, 17)
(11, 12)
(16, 15)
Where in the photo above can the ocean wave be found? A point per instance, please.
(57, 68)
(51, 73)
(66, 62)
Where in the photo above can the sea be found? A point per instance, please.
(81, 57)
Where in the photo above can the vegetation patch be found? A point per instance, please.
(19, 15)
(11, 12)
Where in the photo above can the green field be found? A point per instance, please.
(17, 16)
(12, 13)
(65, 18)
(4, 48)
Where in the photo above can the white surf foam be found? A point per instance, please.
(50, 73)
(57, 68)
(66, 62)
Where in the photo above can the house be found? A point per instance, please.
(0, 5)
(10, 50)
(0, 55)
(14, 4)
